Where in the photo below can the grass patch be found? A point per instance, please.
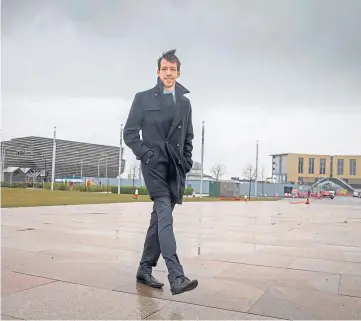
(20, 197)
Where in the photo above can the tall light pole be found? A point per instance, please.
(256, 174)
(106, 166)
(120, 156)
(106, 171)
(53, 163)
(202, 159)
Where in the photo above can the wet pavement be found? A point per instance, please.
(258, 260)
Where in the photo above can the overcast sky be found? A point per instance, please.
(287, 73)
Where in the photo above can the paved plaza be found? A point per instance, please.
(257, 260)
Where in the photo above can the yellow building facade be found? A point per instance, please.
(309, 168)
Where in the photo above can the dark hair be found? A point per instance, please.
(169, 56)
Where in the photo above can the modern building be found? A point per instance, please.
(193, 179)
(31, 156)
(309, 169)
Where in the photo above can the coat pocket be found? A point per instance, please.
(153, 160)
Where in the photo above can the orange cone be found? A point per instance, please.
(136, 193)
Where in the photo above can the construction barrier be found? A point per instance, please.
(231, 198)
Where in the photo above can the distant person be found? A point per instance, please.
(164, 116)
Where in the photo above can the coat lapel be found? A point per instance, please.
(180, 108)
(179, 113)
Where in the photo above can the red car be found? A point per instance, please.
(328, 194)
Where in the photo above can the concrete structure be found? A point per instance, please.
(309, 168)
(34, 155)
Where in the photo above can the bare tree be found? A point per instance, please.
(133, 171)
(218, 171)
(249, 174)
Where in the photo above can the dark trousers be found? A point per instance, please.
(160, 239)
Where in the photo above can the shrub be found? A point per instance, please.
(141, 191)
(82, 188)
(188, 191)
(38, 185)
(129, 190)
(15, 184)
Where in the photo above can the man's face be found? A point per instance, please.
(168, 73)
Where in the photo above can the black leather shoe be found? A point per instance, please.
(148, 279)
(183, 284)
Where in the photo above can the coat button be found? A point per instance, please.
(177, 145)
(179, 126)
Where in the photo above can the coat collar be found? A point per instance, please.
(180, 90)
(179, 110)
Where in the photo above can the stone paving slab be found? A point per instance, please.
(329, 266)
(183, 311)
(6, 317)
(56, 301)
(290, 303)
(253, 261)
(350, 285)
(325, 253)
(265, 277)
(12, 282)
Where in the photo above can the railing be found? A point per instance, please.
(340, 182)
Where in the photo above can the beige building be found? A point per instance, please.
(308, 169)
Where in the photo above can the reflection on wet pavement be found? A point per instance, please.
(253, 261)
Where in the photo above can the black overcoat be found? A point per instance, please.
(167, 134)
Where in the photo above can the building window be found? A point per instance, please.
(300, 165)
(353, 167)
(322, 166)
(340, 167)
(311, 166)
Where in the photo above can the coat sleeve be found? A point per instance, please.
(132, 128)
(188, 145)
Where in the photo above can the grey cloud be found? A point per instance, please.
(248, 64)
(268, 53)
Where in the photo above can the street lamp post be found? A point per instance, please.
(120, 156)
(53, 162)
(202, 158)
(106, 171)
(256, 174)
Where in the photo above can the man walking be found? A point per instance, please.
(164, 116)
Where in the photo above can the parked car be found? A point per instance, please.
(328, 194)
(356, 194)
